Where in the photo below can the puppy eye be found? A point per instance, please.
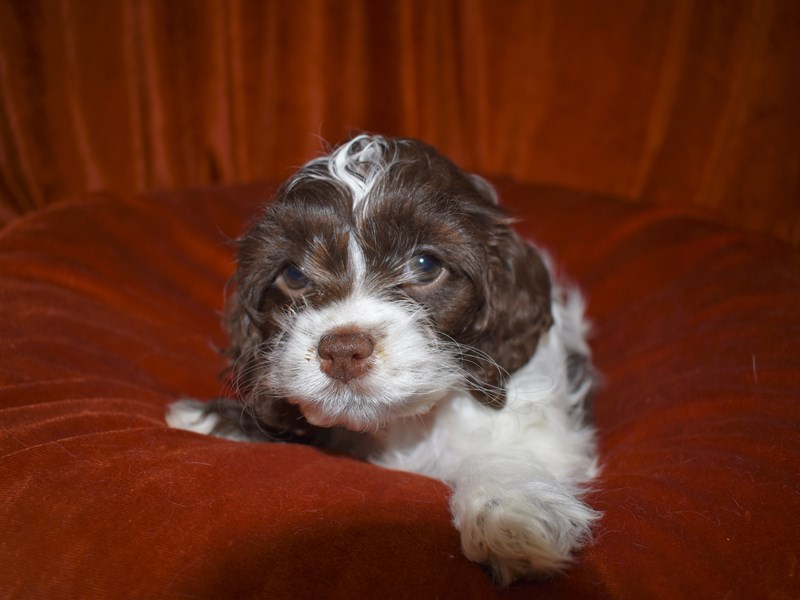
(423, 269)
(293, 279)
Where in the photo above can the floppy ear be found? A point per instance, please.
(484, 188)
(243, 324)
(516, 313)
(247, 327)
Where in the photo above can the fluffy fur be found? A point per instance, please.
(384, 306)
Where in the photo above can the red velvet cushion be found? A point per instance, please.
(109, 312)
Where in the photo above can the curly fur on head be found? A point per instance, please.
(384, 305)
(494, 301)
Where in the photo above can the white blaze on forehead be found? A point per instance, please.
(357, 165)
(358, 264)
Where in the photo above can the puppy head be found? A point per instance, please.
(380, 279)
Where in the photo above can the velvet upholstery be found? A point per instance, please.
(651, 146)
(111, 311)
(687, 102)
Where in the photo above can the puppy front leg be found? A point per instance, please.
(276, 422)
(222, 417)
(516, 517)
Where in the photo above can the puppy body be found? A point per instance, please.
(516, 473)
(384, 307)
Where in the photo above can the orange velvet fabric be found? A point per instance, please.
(110, 312)
(685, 102)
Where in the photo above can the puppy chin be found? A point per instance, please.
(362, 414)
(317, 417)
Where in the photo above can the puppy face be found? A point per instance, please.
(380, 279)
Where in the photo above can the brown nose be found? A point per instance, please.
(343, 356)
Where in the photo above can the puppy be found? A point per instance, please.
(383, 306)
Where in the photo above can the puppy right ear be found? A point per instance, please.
(242, 336)
(243, 317)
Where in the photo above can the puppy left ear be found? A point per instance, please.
(484, 188)
(516, 313)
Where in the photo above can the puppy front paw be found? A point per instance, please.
(220, 418)
(527, 532)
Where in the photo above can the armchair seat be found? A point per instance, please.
(110, 311)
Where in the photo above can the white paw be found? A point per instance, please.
(206, 418)
(192, 415)
(527, 532)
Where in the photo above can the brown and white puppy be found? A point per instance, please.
(384, 306)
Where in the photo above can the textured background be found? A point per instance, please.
(677, 102)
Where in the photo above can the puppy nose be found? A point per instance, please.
(343, 356)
